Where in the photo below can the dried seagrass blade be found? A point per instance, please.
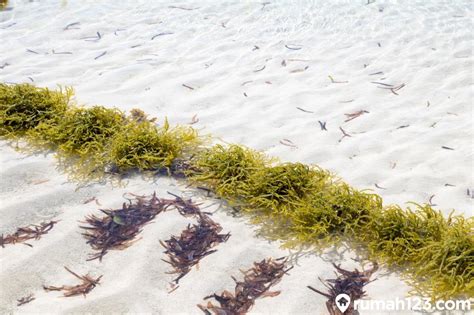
(23, 234)
(25, 299)
(351, 283)
(118, 229)
(194, 243)
(256, 284)
(86, 286)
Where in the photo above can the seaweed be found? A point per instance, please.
(226, 170)
(282, 188)
(300, 204)
(445, 268)
(118, 229)
(438, 253)
(332, 213)
(31, 232)
(3, 4)
(23, 107)
(81, 139)
(256, 284)
(395, 229)
(194, 243)
(347, 282)
(85, 131)
(185, 207)
(138, 115)
(84, 288)
(145, 146)
(26, 299)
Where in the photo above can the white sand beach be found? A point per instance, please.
(395, 76)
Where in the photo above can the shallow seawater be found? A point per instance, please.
(262, 73)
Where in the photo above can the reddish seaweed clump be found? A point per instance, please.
(351, 283)
(193, 244)
(23, 234)
(118, 229)
(256, 284)
(87, 285)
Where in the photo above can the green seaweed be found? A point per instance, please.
(23, 107)
(335, 211)
(144, 146)
(394, 230)
(283, 188)
(445, 268)
(85, 131)
(81, 138)
(227, 170)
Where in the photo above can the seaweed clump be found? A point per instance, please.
(194, 243)
(283, 188)
(306, 201)
(447, 266)
(23, 234)
(118, 229)
(84, 288)
(347, 282)
(438, 253)
(144, 146)
(256, 284)
(84, 131)
(227, 170)
(23, 107)
(332, 212)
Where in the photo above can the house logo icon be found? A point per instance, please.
(342, 302)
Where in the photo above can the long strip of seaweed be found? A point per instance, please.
(256, 284)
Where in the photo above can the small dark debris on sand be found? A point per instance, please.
(25, 300)
(87, 285)
(354, 115)
(23, 234)
(322, 124)
(256, 284)
(349, 282)
(118, 229)
(192, 245)
(182, 8)
(70, 26)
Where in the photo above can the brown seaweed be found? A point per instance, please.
(25, 299)
(23, 234)
(349, 282)
(185, 207)
(118, 229)
(87, 285)
(256, 284)
(194, 243)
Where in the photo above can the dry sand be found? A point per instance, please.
(252, 73)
